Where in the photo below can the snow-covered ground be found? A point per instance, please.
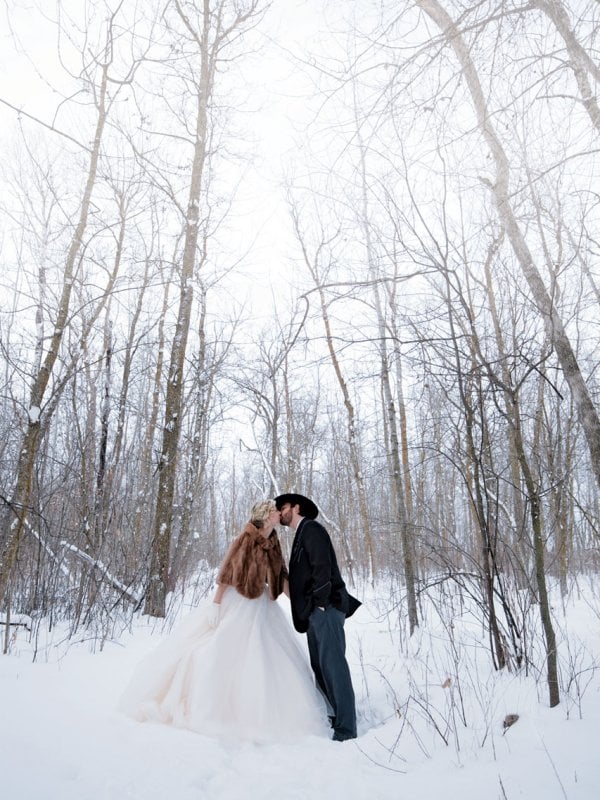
(431, 714)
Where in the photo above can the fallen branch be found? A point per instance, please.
(18, 620)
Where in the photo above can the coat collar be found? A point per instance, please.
(296, 541)
(264, 542)
(300, 525)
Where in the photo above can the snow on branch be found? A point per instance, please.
(104, 572)
(18, 620)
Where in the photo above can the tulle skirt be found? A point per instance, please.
(249, 678)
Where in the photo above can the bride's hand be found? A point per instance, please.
(214, 615)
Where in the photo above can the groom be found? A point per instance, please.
(320, 604)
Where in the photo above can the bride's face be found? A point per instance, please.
(273, 518)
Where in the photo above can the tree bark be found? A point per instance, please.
(23, 488)
(210, 37)
(587, 413)
(351, 431)
(579, 61)
(398, 476)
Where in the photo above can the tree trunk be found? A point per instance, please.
(398, 478)
(212, 35)
(587, 413)
(21, 501)
(579, 61)
(535, 510)
(478, 489)
(517, 449)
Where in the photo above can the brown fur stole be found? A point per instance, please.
(252, 561)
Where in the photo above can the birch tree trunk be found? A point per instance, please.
(477, 488)
(352, 442)
(141, 516)
(587, 413)
(511, 410)
(535, 510)
(210, 37)
(21, 498)
(534, 500)
(155, 598)
(579, 60)
(398, 477)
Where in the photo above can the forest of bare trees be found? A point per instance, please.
(427, 367)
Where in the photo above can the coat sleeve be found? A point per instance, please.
(226, 570)
(243, 568)
(284, 575)
(318, 551)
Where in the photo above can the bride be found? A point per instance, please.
(235, 667)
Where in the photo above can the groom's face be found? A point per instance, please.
(285, 514)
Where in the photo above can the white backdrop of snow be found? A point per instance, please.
(62, 737)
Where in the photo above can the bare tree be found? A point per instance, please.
(209, 30)
(98, 74)
(399, 475)
(500, 188)
(318, 272)
(580, 61)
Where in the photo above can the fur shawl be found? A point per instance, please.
(252, 561)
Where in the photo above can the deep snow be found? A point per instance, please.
(431, 713)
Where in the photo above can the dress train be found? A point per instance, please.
(249, 678)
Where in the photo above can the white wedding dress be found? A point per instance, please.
(249, 678)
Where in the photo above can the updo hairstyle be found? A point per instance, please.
(260, 512)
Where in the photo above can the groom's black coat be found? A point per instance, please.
(315, 578)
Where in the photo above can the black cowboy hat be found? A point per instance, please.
(307, 508)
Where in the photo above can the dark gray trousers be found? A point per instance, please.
(327, 650)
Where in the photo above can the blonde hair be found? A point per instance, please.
(259, 513)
